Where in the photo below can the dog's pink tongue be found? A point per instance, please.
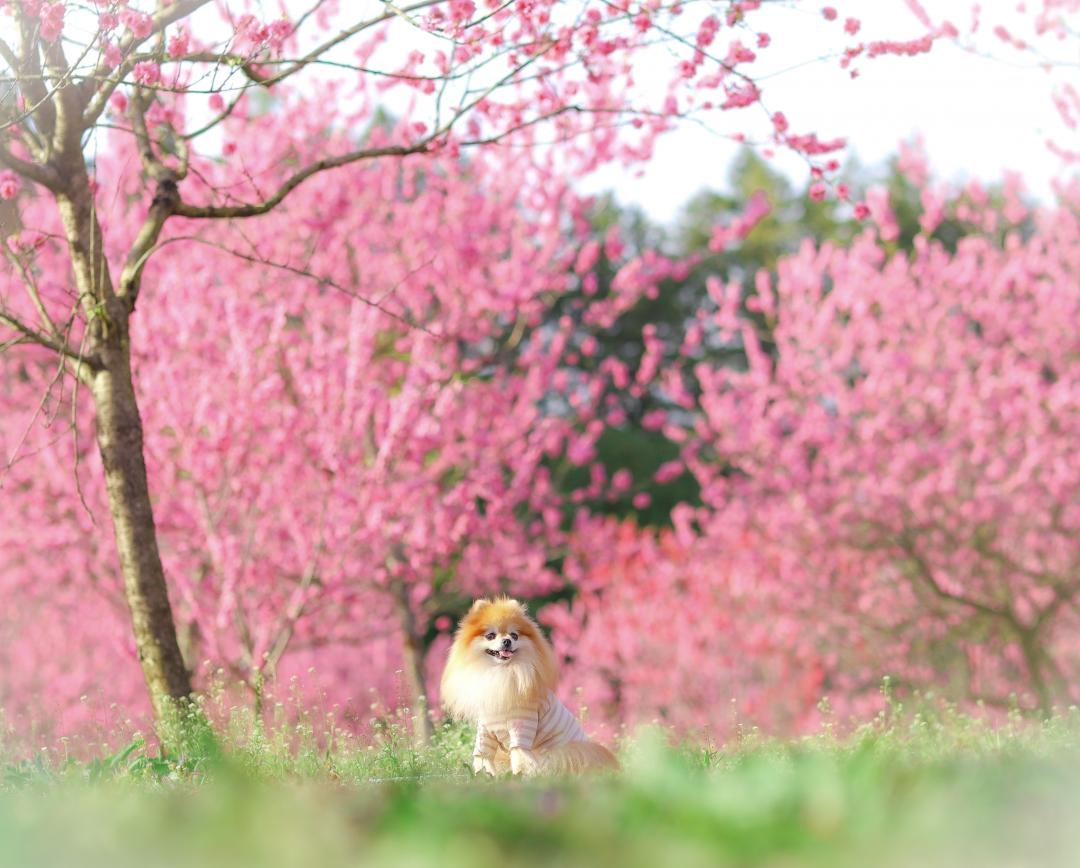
(506, 655)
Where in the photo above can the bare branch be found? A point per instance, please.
(930, 580)
(47, 176)
(253, 210)
(300, 272)
(66, 100)
(165, 201)
(8, 53)
(101, 80)
(344, 35)
(57, 346)
(32, 291)
(150, 162)
(285, 626)
(422, 146)
(165, 198)
(1063, 596)
(27, 67)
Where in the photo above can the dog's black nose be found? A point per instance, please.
(506, 643)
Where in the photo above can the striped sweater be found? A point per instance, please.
(542, 727)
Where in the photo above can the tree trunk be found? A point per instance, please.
(1034, 660)
(412, 652)
(120, 439)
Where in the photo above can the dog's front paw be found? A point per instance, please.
(523, 762)
(481, 764)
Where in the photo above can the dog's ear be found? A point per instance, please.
(483, 601)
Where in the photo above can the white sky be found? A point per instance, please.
(978, 116)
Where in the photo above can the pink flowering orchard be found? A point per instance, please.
(889, 489)
(684, 630)
(185, 88)
(322, 466)
(908, 442)
(281, 387)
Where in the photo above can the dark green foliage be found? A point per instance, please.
(794, 218)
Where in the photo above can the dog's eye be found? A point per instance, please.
(513, 636)
(490, 636)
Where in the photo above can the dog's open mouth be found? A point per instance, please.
(501, 654)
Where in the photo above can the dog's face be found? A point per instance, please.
(502, 645)
(499, 659)
(499, 633)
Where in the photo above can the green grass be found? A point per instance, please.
(925, 789)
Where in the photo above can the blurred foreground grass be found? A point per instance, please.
(928, 790)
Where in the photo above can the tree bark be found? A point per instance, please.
(412, 652)
(120, 441)
(1034, 660)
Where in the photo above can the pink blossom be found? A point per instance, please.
(179, 44)
(877, 201)
(581, 450)
(707, 31)
(52, 21)
(587, 257)
(668, 471)
(932, 200)
(907, 48)
(9, 184)
(913, 161)
(812, 146)
(919, 12)
(739, 53)
(280, 30)
(757, 209)
(111, 55)
(741, 96)
(140, 24)
(654, 420)
(146, 72)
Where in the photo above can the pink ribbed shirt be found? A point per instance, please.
(548, 725)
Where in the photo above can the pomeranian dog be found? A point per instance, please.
(501, 675)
